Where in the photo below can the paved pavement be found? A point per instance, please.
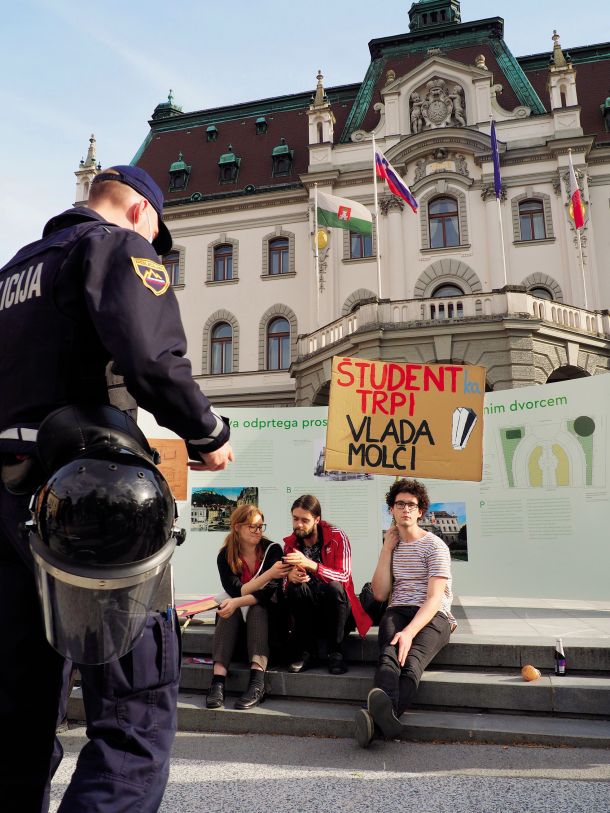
(497, 616)
(223, 773)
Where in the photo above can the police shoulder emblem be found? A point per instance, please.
(154, 275)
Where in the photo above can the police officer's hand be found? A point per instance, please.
(214, 461)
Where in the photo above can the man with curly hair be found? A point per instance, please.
(414, 571)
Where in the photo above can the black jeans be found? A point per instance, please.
(401, 682)
(320, 610)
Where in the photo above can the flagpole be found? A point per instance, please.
(495, 156)
(577, 228)
(582, 268)
(502, 241)
(316, 253)
(377, 219)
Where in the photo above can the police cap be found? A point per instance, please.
(139, 180)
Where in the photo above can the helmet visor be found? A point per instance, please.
(94, 615)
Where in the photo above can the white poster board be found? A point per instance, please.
(536, 526)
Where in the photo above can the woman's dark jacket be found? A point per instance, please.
(271, 593)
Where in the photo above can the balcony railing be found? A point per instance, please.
(455, 309)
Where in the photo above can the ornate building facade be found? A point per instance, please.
(522, 301)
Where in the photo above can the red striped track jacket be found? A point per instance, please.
(336, 566)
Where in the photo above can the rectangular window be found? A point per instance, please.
(171, 262)
(223, 263)
(361, 245)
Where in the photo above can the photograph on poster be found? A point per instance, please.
(447, 520)
(318, 469)
(211, 507)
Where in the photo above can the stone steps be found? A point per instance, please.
(480, 690)
(473, 691)
(305, 718)
(583, 655)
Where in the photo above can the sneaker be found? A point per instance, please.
(301, 664)
(382, 712)
(364, 728)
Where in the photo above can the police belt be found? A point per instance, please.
(19, 433)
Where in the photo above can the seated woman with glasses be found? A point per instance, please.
(251, 572)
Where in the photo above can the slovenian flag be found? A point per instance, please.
(341, 213)
(397, 186)
(577, 209)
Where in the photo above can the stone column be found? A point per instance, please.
(393, 264)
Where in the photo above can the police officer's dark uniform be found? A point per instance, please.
(88, 297)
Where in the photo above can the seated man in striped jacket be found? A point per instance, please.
(414, 571)
(321, 593)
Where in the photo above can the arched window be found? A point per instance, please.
(222, 349)
(279, 256)
(447, 289)
(531, 220)
(223, 262)
(449, 310)
(278, 344)
(171, 262)
(540, 292)
(443, 223)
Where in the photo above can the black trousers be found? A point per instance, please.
(401, 682)
(130, 704)
(319, 610)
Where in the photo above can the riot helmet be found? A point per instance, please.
(101, 533)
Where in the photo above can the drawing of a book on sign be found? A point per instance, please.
(463, 423)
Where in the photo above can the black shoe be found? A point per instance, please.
(364, 728)
(336, 664)
(251, 697)
(216, 696)
(301, 664)
(380, 707)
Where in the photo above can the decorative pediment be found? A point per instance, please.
(439, 93)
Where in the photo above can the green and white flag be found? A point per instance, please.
(341, 213)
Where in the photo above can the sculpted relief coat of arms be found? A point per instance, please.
(437, 104)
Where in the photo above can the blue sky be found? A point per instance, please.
(70, 69)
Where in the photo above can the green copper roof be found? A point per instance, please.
(178, 165)
(229, 157)
(446, 37)
(514, 73)
(281, 149)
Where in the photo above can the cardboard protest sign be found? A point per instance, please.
(173, 465)
(412, 420)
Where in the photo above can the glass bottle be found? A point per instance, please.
(560, 658)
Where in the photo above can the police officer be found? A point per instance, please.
(88, 316)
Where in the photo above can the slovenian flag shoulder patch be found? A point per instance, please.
(154, 275)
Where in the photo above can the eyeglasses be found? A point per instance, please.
(406, 506)
(258, 529)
